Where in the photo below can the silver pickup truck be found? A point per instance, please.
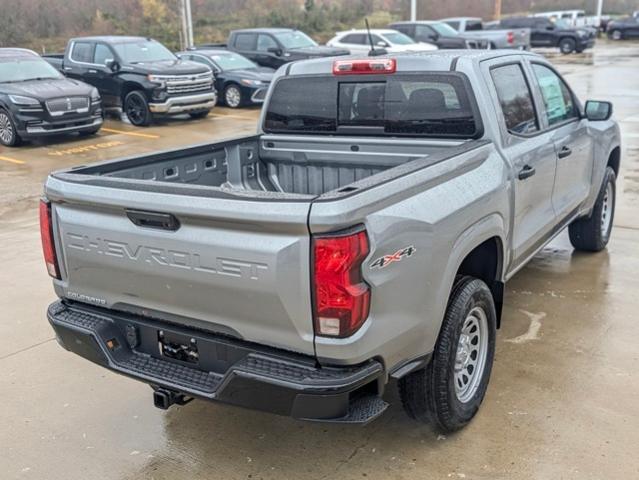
(364, 234)
(473, 27)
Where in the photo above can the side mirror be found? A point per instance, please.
(112, 65)
(377, 52)
(597, 111)
(275, 51)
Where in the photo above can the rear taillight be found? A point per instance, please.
(510, 37)
(363, 67)
(46, 232)
(341, 297)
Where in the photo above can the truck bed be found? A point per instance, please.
(279, 164)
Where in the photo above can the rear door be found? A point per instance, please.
(78, 60)
(569, 135)
(233, 266)
(245, 43)
(531, 154)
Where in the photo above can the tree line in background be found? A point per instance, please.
(45, 25)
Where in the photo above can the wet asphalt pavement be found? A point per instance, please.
(562, 403)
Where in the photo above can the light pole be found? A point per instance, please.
(187, 23)
(599, 12)
(413, 10)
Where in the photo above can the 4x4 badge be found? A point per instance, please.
(386, 260)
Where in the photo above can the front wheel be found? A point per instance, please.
(8, 135)
(567, 45)
(449, 391)
(592, 234)
(616, 35)
(233, 96)
(137, 110)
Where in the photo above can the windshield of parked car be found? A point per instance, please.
(417, 105)
(444, 29)
(143, 51)
(26, 68)
(231, 61)
(397, 38)
(295, 40)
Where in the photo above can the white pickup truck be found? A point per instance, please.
(364, 234)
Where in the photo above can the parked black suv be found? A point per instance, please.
(273, 47)
(438, 33)
(239, 80)
(545, 33)
(140, 76)
(36, 100)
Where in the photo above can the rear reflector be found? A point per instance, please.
(510, 37)
(363, 67)
(341, 297)
(46, 233)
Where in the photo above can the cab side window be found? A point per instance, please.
(264, 42)
(102, 54)
(245, 41)
(82, 52)
(515, 99)
(558, 99)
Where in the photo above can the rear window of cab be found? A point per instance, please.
(426, 104)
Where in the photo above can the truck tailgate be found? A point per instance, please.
(234, 266)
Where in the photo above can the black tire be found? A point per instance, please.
(136, 108)
(567, 45)
(8, 133)
(430, 395)
(233, 96)
(198, 115)
(592, 234)
(615, 34)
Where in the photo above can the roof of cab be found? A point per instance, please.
(17, 52)
(436, 60)
(113, 39)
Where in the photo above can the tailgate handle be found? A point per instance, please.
(162, 221)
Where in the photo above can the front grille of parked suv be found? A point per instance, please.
(181, 84)
(60, 106)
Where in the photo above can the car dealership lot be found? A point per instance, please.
(562, 401)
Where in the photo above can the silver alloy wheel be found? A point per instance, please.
(233, 97)
(6, 129)
(472, 349)
(607, 210)
(616, 35)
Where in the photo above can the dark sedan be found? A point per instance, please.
(36, 100)
(623, 28)
(238, 80)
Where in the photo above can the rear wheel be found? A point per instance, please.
(449, 391)
(567, 45)
(8, 135)
(233, 96)
(592, 234)
(137, 110)
(616, 35)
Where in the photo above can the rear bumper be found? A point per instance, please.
(228, 370)
(185, 103)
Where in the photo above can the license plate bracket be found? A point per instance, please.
(178, 347)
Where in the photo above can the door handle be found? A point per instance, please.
(564, 152)
(68, 68)
(91, 70)
(526, 172)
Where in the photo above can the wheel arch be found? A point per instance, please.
(480, 252)
(614, 159)
(130, 86)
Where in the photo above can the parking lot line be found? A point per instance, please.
(133, 134)
(11, 160)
